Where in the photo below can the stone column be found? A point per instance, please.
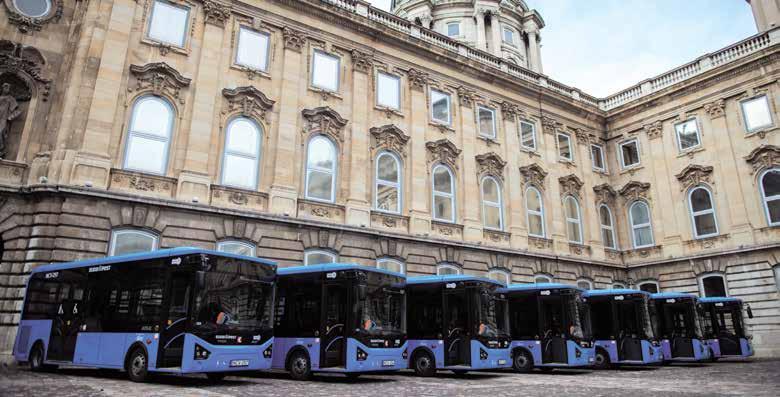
(495, 31)
(468, 189)
(358, 200)
(534, 57)
(481, 41)
(419, 210)
(515, 204)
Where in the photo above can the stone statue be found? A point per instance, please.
(9, 110)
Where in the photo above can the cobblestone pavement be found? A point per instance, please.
(756, 378)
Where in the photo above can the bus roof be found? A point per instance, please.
(538, 287)
(448, 278)
(616, 291)
(333, 267)
(163, 253)
(669, 295)
(720, 299)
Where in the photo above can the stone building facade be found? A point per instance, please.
(310, 130)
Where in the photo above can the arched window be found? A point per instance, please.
(534, 207)
(149, 135)
(390, 264)
(130, 241)
(321, 169)
(388, 183)
(584, 284)
(492, 209)
(318, 257)
(713, 284)
(573, 220)
(443, 194)
(236, 247)
(618, 286)
(607, 227)
(445, 269)
(502, 276)
(649, 286)
(32, 8)
(770, 193)
(641, 228)
(542, 278)
(241, 159)
(702, 213)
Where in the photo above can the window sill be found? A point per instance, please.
(530, 152)
(444, 128)
(579, 248)
(389, 111)
(447, 229)
(223, 195)
(567, 162)
(495, 235)
(600, 171)
(389, 220)
(707, 242)
(488, 140)
(539, 242)
(321, 210)
(166, 48)
(631, 169)
(761, 132)
(691, 151)
(643, 252)
(251, 73)
(325, 94)
(139, 182)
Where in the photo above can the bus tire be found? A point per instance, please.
(424, 364)
(601, 360)
(36, 358)
(215, 376)
(300, 365)
(522, 361)
(137, 365)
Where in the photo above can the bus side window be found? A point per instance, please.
(180, 297)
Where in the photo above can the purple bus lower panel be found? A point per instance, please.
(223, 358)
(108, 349)
(577, 356)
(714, 346)
(283, 346)
(650, 354)
(482, 357)
(745, 348)
(700, 351)
(30, 332)
(377, 359)
(532, 346)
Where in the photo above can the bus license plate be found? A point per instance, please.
(501, 362)
(388, 363)
(239, 363)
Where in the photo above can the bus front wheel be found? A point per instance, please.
(36, 358)
(522, 362)
(424, 364)
(137, 365)
(602, 360)
(300, 366)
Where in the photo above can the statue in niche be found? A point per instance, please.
(9, 110)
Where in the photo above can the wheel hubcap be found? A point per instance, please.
(423, 363)
(139, 362)
(299, 365)
(521, 361)
(599, 359)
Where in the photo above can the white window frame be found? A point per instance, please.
(397, 79)
(610, 228)
(584, 280)
(116, 233)
(440, 266)
(256, 159)
(18, 9)
(722, 276)
(400, 264)
(491, 134)
(447, 29)
(502, 272)
(504, 31)
(638, 154)
(131, 134)
(533, 135)
(398, 185)
(677, 126)
(306, 253)
(529, 211)
(577, 221)
(616, 285)
(449, 107)
(547, 278)
(693, 214)
(183, 42)
(486, 203)
(600, 148)
(654, 282)
(768, 108)
(267, 49)
(450, 196)
(222, 244)
(764, 199)
(332, 172)
(314, 70)
(635, 227)
(558, 145)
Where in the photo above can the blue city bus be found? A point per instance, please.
(622, 327)
(678, 326)
(549, 325)
(181, 310)
(341, 318)
(724, 327)
(456, 323)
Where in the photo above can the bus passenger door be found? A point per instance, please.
(333, 344)
(682, 344)
(554, 348)
(727, 324)
(628, 319)
(68, 319)
(457, 341)
(176, 313)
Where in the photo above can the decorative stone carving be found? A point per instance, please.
(635, 190)
(716, 109)
(362, 61)
(234, 197)
(249, 101)
(693, 175)
(293, 39)
(533, 174)
(540, 242)
(510, 111)
(447, 229)
(495, 236)
(490, 164)
(466, 96)
(389, 221)
(159, 78)
(604, 193)
(583, 136)
(324, 211)
(570, 185)
(654, 130)
(443, 151)
(134, 182)
(764, 157)
(418, 79)
(9, 110)
(550, 125)
(26, 64)
(27, 24)
(389, 137)
(326, 121)
(216, 13)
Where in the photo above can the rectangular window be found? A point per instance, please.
(629, 153)
(527, 135)
(756, 113)
(388, 90)
(440, 107)
(687, 134)
(325, 71)
(509, 36)
(252, 50)
(168, 23)
(564, 147)
(597, 157)
(453, 29)
(487, 122)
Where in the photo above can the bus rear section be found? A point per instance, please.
(340, 318)
(678, 326)
(549, 325)
(724, 327)
(455, 323)
(622, 328)
(181, 310)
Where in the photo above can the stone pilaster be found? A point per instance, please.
(419, 188)
(468, 185)
(359, 197)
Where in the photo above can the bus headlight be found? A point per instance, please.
(267, 353)
(201, 353)
(361, 355)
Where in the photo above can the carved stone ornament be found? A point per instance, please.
(293, 39)
(24, 66)
(550, 125)
(443, 151)
(159, 78)
(466, 96)
(418, 79)
(716, 109)
(604, 193)
(249, 101)
(324, 120)
(583, 136)
(389, 137)
(362, 61)
(693, 175)
(764, 157)
(216, 13)
(570, 185)
(635, 190)
(27, 24)
(654, 130)
(510, 111)
(533, 174)
(490, 164)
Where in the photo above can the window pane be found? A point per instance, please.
(630, 153)
(387, 198)
(492, 217)
(33, 8)
(320, 184)
(639, 214)
(604, 216)
(242, 137)
(442, 182)
(387, 168)
(236, 248)
(326, 72)
(129, 243)
(442, 208)
(573, 231)
(571, 208)
(486, 126)
(688, 134)
(535, 225)
(700, 200)
(490, 191)
(564, 149)
(771, 183)
(501, 277)
(252, 49)
(388, 91)
(583, 284)
(440, 106)
(392, 266)
(445, 270)
(321, 153)
(533, 200)
(453, 29)
(596, 155)
(705, 224)
(607, 238)
(643, 236)
(714, 286)
(774, 211)
(147, 155)
(169, 23)
(528, 135)
(239, 171)
(757, 113)
(152, 116)
(542, 279)
(317, 258)
(509, 36)
(649, 287)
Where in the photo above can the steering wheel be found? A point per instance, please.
(547, 334)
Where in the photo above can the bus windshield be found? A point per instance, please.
(490, 308)
(579, 316)
(382, 306)
(645, 321)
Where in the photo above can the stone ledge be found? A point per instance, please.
(12, 172)
(321, 211)
(446, 229)
(143, 184)
(227, 196)
(496, 236)
(389, 221)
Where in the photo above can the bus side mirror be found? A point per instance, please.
(361, 289)
(200, 279)
(749, 312)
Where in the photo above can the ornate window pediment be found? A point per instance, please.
(764, 157)
(490, 164)
(533, 174)
(324, 120)
(389, 137)
(293, 39)
(604, 193)
(160, 79)
(570, 185)
(443, 151)
(362, 61)
(216, 12)
(634, 190)
(249, 101)
(693, 175)
(29, 23)
(654, 130)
